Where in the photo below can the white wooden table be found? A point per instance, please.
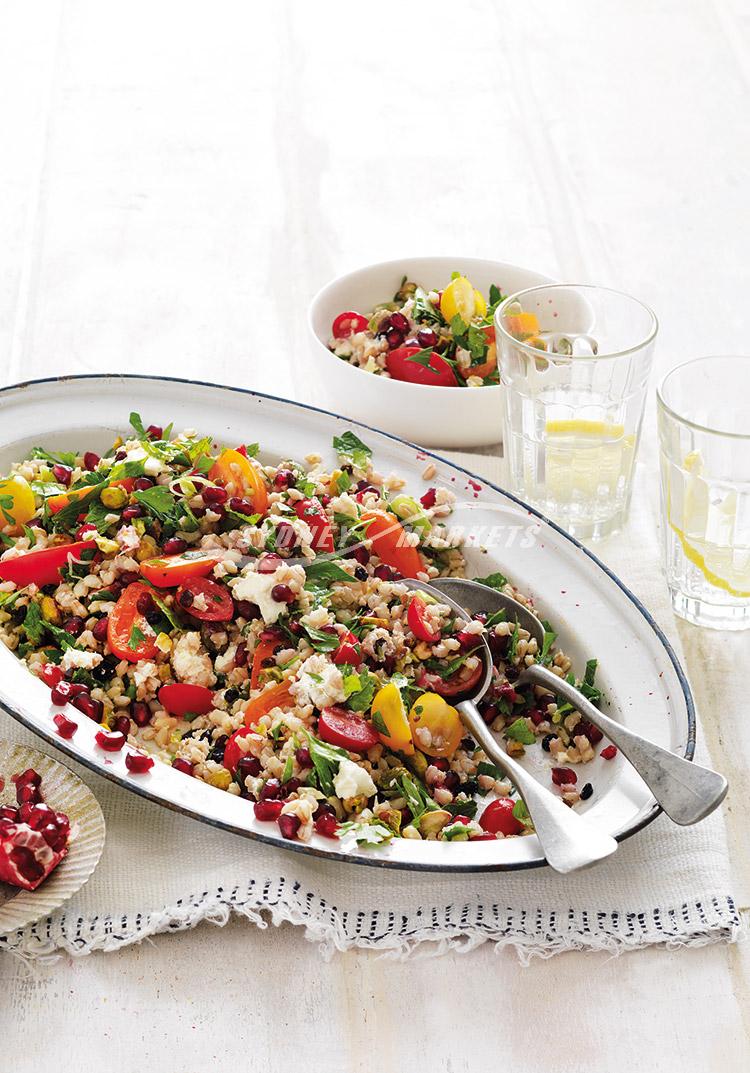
(176, 180)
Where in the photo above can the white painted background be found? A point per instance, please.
(176, 181)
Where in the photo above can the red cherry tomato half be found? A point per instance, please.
(128, 633)
(347, 324)
(462, 682)
(349, 650)
(232, 752)
(416, 617)
(211, 602)
(42, 567)
(312, 512)
(399, 364)
(498, 818)
(339, 727)
(181, 698)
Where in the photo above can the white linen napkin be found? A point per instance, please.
(164, 872)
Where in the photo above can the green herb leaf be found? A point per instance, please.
(137, 636)
(519, 731)
(379, 723)
(372, 833)
(417, 798)
(349, 445)
(361, 699)
(323, 572)
(513, 646)
(545, 656)
(65, 458)
(160, 503)
(137, 424)
(326, 759)
(521, 813)
(33, 624)
(321, 640)
(493, 581)
(423, 357)
(288, 769)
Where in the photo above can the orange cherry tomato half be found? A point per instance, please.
(340, 727)
(241, 478)
(42, 567)
(278, 696)
(401, 366)
(264, 650)
(388, 539)
(182, 698)
(347, 324)
(56, 503)
(416, 617)
(498, 818)
(123, 622)
(208, 601)
(312, 512)
(169, 571)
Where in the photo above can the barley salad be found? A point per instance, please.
(246, 624)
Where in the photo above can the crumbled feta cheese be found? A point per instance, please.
(75, 658)
(128, 538)
(256, 589)
(189, 663)
(353, 781)
(319, 683)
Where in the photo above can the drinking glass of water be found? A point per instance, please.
(704, 444)
(574, 364)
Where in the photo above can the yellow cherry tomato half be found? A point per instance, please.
(17, 503)
(458, 298)
(388, 716)
(433, 714)
(241, 479)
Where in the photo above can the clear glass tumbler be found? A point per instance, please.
(704, 444)
(574, 364)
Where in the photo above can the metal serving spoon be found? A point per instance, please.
(569, 841)
(686, 791)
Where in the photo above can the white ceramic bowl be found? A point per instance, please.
(432, 416)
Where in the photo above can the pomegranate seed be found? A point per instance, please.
(94, 709)
(215, 495)
(66, 728)
(536, 716)
(154, 432)
(269, 564)
(488, 712)
(284, 479)
(247, 610)
(360, 554)
(461, 819)
(28, 794)
(285, 536)
(466, 640)
(74, 626)
(91, 460)
(62, 474)
(303, 757)
(386, 573)
(54, 838)
(270, 790)
(140, 713)
(268, 810)
(487, 837)
(394, 338)
(282, 594)
(241, 506)
(426, 337)
(562, 776)
(185, 599)
(248, 766)
(327, 825)
(182, 765)
(610, 752)
(120, 455)
(451, 781)
(325, 500)
(439, 762)
(8, 812)
(145, 603)
(132, 512)
(174, 546)
(240, 655)
(122, 724)
(428, 499)
(51, 674)
(593, 733)
(65, 691)
(289, 825)
(26, 863)
(100, 629)
(129, 576)
(138, 763)
(29, 777)
(291, 786)
(86, 532)
(398, 320)
(142, 483)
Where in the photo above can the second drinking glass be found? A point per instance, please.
(574, 364)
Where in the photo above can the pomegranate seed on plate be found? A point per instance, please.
(268, 810)
(327, 825)
(428, 499)
(610, 752)
(138, 763)
(111, 743)
(289, 825)
(94, 709)
(564, 776)
(182, 765)
(66, 728)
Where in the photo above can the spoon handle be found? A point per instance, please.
(569, 841)
(686, 791)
